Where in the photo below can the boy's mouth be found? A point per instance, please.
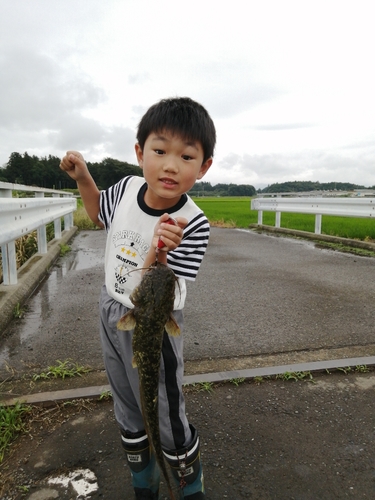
(171, 182)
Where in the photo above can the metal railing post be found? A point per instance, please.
(8, 252)
(41, 232)
(68, 219)
(278, 219)
(318, 223)
(260, 217)
(57, 222)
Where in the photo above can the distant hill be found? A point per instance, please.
(299, 186)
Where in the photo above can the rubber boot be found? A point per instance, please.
(142, 464)
(186, 469)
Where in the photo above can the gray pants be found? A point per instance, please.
(175, 432)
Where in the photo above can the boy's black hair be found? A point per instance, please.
(182, 116)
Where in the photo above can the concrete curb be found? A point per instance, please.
(317, 237)
(30, 275)
(93, 392)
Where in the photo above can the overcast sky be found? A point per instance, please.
(289, 84)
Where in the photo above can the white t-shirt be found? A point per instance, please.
(130, 226)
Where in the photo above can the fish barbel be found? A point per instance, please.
(153, 301)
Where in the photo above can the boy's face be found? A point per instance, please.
(170, 165)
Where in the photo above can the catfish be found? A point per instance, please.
(153, 301)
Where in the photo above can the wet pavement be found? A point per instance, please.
(259, 301)
(256, 296)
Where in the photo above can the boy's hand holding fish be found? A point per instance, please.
(168, 233)
(166, 237)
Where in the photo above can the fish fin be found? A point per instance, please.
(134, 363)
(172, 327)
(127, 322)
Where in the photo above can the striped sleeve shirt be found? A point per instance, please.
(186, 259)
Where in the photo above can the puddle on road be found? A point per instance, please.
(38, 307)
(80, 259)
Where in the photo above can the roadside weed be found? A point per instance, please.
(205, 386)
(18, 311)
(259, 379)
(222, 223)
(237, 381)
(105, 395)
(362, 369)
(200, 386)
(346, 369)
(11, 424)
(81, 219)
(61, 370)
(295, 376)
(24, 489)
(64, 249)
(340, 247)
(18, 419)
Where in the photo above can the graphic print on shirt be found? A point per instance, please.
(130, 250)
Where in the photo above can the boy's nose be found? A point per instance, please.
(170, 165)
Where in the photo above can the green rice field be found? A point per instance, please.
(235, 212)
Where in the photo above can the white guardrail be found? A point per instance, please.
(21, 216)
(344, 207)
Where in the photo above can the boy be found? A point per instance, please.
(175, 144)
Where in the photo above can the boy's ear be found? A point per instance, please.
(139, 153)
(204, 168)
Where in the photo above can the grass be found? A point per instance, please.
(295, 376)
(201, 386)
(63, 369)
(105, 396)
(18, 311)
(237, 381)
(15, 419)
(12, 423)
(236, 211)
(362, 369)
(19, 419)
(346, 249)
(64, 249)
(81, 219)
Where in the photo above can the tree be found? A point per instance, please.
(110, 171)
(13, 171)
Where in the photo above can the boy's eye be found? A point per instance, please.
(159, 151)
(187, 157)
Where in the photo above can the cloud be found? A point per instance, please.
(42, 106)
(231, 86)
(95, 140)
(281, 126)
(261, 170)
(119, 142)
(82, 133)
(287, 104)
(39, 93)
(139, 78)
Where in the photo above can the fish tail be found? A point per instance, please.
(153, 435)
(163, 467)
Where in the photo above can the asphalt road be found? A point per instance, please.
(257, 299)
(256, 296)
